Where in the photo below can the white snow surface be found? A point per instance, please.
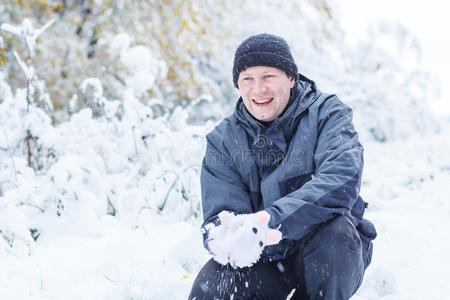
(141, 64)
(26, 32)
(95, 84)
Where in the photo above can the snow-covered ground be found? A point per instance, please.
(407, 185)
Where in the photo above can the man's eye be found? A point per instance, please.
(246, 78)
(268, 76)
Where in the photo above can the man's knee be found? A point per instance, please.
(215, 281)
(339, 235)
(203, 287)
(261, 281)
(334, 250)
(333, 259)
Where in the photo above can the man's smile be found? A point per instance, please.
(262, 101)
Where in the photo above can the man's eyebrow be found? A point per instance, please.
(262, 73)
(269, 71)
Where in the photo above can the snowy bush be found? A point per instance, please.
(132, 167)
(379, 76)
(392, 91)
(115, 157)
(178, 47)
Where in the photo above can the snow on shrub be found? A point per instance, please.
(125, 163)
(379, 75)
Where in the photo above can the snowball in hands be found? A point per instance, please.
(240, 239)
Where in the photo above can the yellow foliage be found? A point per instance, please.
(322, 5)
(2, 60)
(181, 33)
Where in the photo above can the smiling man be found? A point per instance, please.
(280, 188)
(265, 91)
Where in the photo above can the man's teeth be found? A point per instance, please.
(262, 101)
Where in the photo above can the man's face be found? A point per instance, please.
(265, 91)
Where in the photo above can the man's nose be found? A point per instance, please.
(259, 87)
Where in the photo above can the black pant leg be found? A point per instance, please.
(264, 280)
(332, 260)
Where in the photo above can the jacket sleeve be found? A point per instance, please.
(335, 184)
(221, 184)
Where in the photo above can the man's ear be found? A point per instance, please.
(291, 81)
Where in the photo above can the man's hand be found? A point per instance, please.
(240, 239)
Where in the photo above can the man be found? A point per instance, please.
(280, 188)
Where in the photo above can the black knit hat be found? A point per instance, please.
(264, 50)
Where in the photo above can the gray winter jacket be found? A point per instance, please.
(303, 169)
